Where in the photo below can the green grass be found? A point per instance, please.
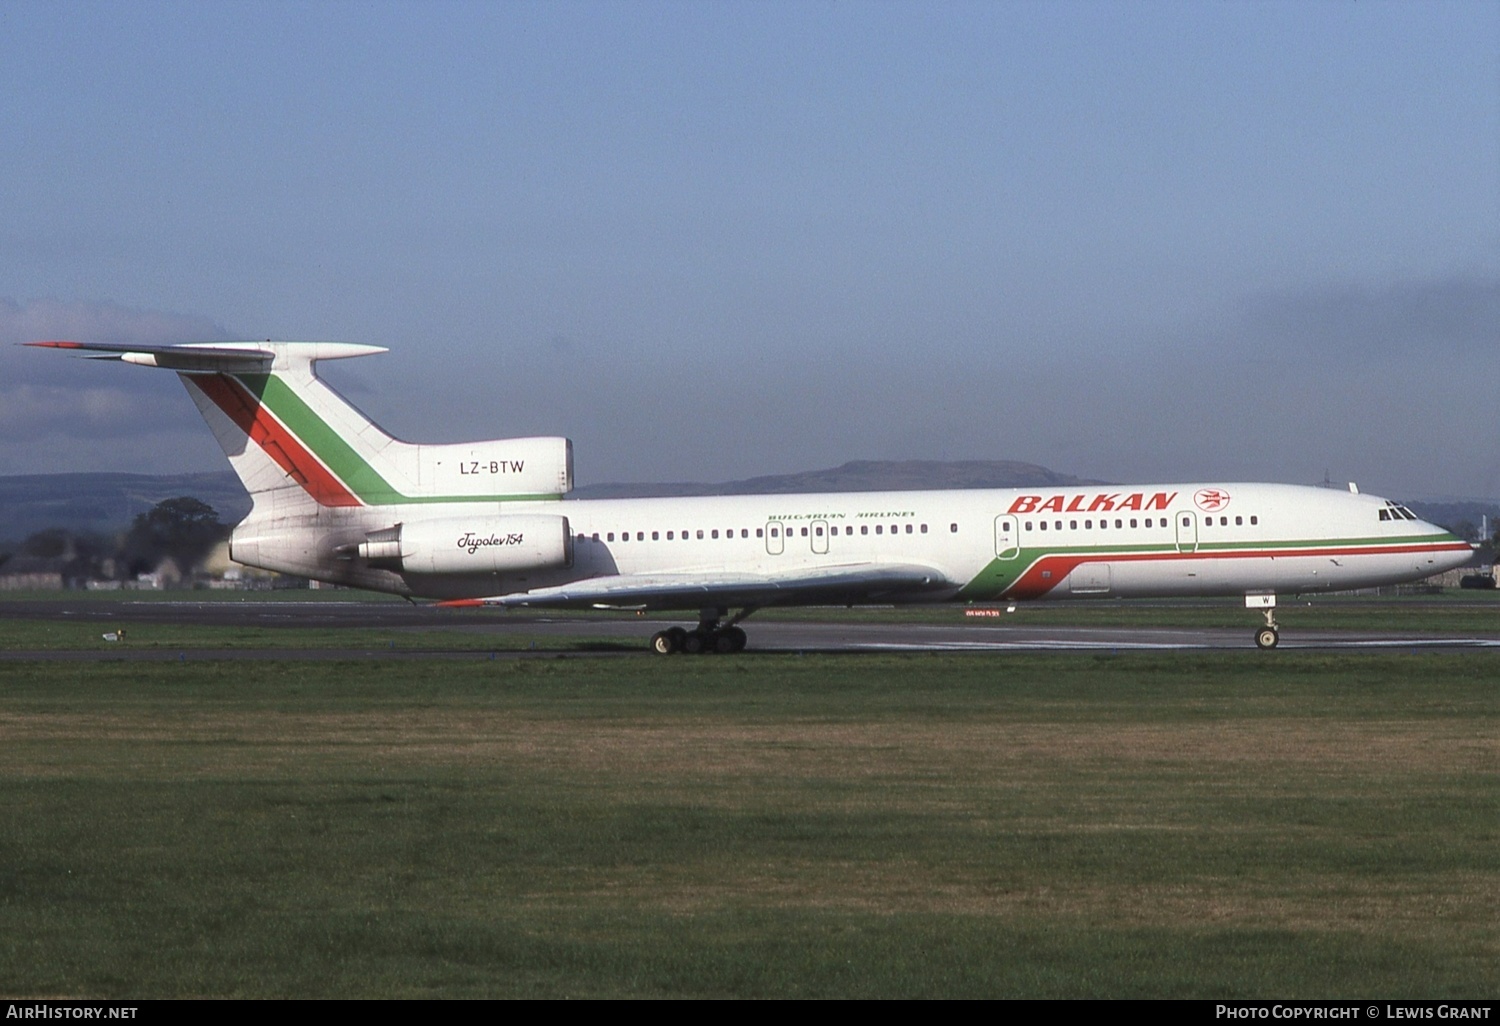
(1053, 825)
(88, 635)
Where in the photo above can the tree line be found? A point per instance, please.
(184, 530)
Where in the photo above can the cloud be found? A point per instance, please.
(101, 322)
(49, 402)
(1449, 317)
(46, 319)
(31, 411)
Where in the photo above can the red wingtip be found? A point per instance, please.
(55, 345)
(460, 603)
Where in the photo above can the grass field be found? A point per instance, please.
(1051, 825)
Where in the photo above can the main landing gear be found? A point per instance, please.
(711, 635)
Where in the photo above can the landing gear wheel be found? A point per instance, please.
(1266, 638)
(736, 638)
(711, 635)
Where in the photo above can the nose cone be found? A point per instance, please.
(1447, 550)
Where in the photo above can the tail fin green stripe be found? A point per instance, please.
(324, 442)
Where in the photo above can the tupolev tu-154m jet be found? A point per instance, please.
(487, 523)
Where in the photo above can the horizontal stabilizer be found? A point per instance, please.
(212, 357)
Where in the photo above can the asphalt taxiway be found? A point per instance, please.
(577, 635)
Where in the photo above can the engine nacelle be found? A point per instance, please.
(472, 545)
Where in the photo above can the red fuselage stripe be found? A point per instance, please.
(1032, 583)
(252, 417)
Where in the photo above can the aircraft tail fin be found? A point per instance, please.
(295, 442)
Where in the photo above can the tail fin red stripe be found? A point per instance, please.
(240, 406)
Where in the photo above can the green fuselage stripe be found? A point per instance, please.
(1003, 572)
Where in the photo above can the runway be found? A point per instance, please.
(613, 635)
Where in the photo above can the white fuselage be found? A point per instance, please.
(1004, 544)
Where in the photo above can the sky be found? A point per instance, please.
(1140, 241)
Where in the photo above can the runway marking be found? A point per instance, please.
(1147, 646)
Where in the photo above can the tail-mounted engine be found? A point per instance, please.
(469, 545)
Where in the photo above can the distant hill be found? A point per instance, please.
(106, 503)
(1462, 516)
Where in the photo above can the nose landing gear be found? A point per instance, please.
(1267, 636)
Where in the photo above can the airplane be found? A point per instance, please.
(337, 499)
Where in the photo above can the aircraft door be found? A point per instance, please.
(775, 539)
(1007, 536)
(1187, 531)
(820, 537)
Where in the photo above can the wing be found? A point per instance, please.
(831, 585)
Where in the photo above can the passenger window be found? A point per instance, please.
(818, 531)
(952, 528)
(1187, 522)
(1119, 523)
(804, 532)
(1088, 525)
(611, 536)
(879, 528)
(1255, 520)
(924, 528)
(640, 536)
(760, 532)
(700, 534)
(596, 536)
(1239, 521)
(1132, 521)
(715, 532)
(908, 529)
(864, 528)
(1043, 524)
(655, 536)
